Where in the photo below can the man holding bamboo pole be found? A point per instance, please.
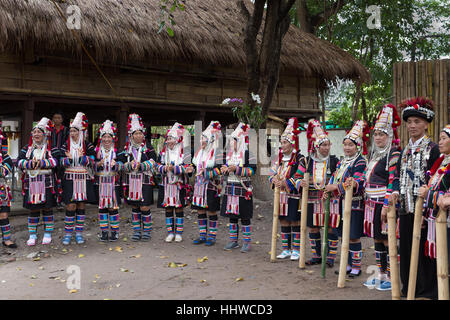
(288, 201)
(320, 165)
(416, 159)
(350, 174)
(436, 219)
(381, 174)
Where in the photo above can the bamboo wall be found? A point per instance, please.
(428, 78)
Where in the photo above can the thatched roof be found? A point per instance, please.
(125, 31)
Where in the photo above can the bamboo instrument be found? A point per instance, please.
(393, 259)
(276, 212)
(442, 255)
(345, 236)
(415, 249)
(304, 214)
(325, 235)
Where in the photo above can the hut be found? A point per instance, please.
(43, 66)
(426, 78)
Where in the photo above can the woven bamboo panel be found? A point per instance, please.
(428, 78)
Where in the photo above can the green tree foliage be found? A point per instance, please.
(409, 30)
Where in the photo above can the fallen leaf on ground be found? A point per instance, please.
(136, 256)
(80, 255)
(124, 270)
(200, 260)
(163, 257)
(73, 291)
(172, 265)
(33, 277)
(239, 279)
(118, 249)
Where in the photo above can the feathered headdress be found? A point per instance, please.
(316, 135)
(359, 134)
(418, 107)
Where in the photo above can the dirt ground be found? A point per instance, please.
(175, 271)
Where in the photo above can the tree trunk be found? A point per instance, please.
(356, 102)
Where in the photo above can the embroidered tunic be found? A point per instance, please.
(438, 185)
(38, 185)
(287, 170)
(107, 179)
(138, 182)
(378, 188)
(238, 200)
(320, 171)
(412, 166)
(349, 168)
(207, 186)
(6, 165)
(175, 185)
(78, 178)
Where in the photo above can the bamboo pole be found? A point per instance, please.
(276, 212)
(442, 255)
(345, 236)
(303, 217)
(415, 249)
(393, 258)
(325, 235)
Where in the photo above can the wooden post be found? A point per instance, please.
(122, 126)
(442, 255)
(393, 257)
(325, 235)
(27, 121)
(303, 217)
(415, 249)
(276, 211)
(345, 236)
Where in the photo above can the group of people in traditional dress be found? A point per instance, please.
(60, 165)
(386, 176)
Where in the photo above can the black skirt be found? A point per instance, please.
(377, 235)
(118, 191)
(293, 210)
(147, 194)
(50, 201)
(161, 198)
(67, 186)
(212, 200)
(356, 220)
(245, 209)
